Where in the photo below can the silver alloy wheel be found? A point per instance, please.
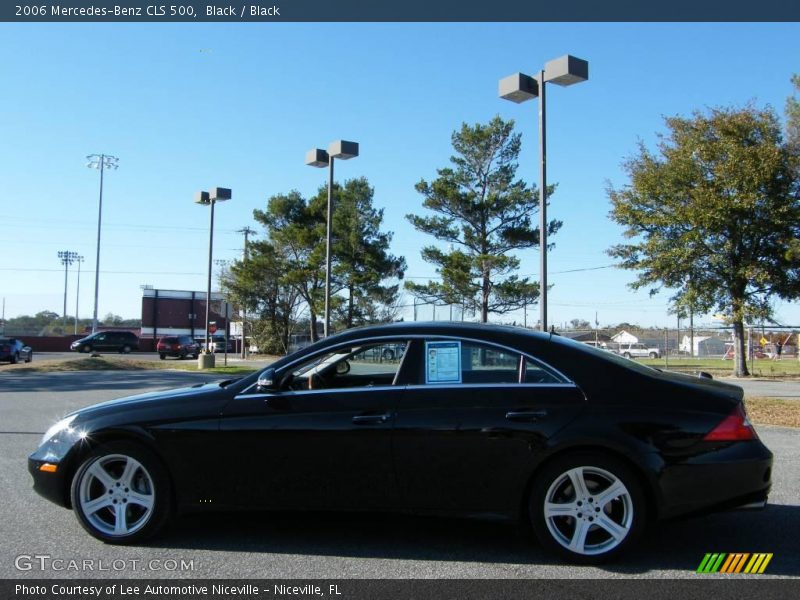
(117, 495)
(588, 510)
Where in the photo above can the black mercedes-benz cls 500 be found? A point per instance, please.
(583, 445)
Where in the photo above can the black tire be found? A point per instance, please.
(126, 349)
(86, 349)
(162, 356)
(653, 355)
(142, 498)
(14, 358)
(183, 355)
(580, 531)
(626, 354)
(30, 357)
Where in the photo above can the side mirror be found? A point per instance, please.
(266, 381)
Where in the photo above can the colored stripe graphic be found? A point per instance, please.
(722, 562)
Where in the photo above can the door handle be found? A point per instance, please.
(526, 415)
(364, 419)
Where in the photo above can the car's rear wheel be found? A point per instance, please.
(126, 349)
(587, 507)
(121, 493)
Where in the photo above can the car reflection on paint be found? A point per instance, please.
(477, 420)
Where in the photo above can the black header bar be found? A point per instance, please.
(122, 11)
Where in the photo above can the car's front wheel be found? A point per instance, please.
(86, 349)
(587, 507)
(653, 355)
(121, 493)
(126, 349)
(14, 358)
(30, 357)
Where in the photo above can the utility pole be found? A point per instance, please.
(246, 232)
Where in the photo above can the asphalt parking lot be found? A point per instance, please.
(328, 545)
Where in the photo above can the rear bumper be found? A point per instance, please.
(721, 478)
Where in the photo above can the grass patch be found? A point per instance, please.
(773, 411)
(85, 363)
(104, 363)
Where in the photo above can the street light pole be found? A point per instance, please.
(542, 202)
(328, 241)
(211, 198)
(101, 162)
(564, 71)
(320, 158)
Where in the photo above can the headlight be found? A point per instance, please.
(62, 425)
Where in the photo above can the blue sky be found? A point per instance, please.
(191, 106)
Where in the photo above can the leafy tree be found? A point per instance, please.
(793, 115)
(580, 324)
(256, 284)
(712, 214)
(362, 258)
(296, 232)
(289, 267)
(484, 213)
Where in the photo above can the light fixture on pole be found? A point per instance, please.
(100, 162)
(563, 71)
(211, 198)
(317, 157)
(79, 260)
(67, 258)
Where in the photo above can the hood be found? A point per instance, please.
(198, 400)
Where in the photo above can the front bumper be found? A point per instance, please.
(53, 486)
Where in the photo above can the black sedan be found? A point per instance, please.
(14, 350)
(583, 445)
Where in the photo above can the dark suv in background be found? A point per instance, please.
(181, 346)
(107, 341)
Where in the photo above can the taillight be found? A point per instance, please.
(733, 428)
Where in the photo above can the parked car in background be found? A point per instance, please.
(584, 446)
(217, 344)
(14, 350)
(180, 346)
(107, 341)
(598, 345)
(638, 351)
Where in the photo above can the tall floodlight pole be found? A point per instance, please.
(210, 199)
(79, 260)
(67, 258)
(563, 71)
(319, 158)
(101, 162)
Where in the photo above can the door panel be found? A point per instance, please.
(470, 448)
(311, 449)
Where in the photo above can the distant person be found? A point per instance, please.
(778, 350)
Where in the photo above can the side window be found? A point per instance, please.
(536, 372)
(364, 365)
(466, 362)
